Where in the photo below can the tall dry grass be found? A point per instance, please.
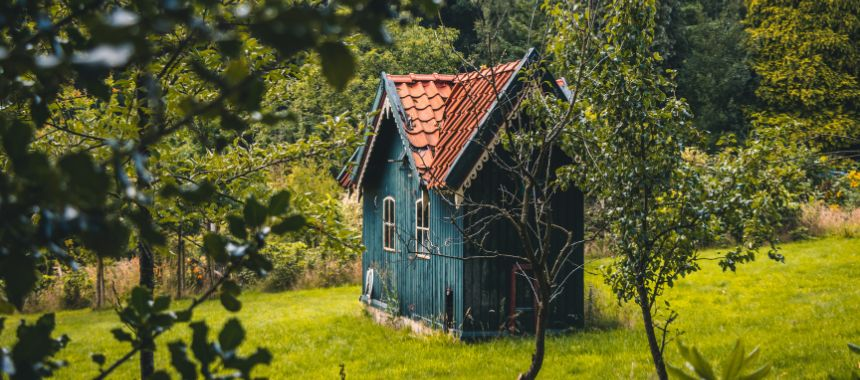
(120, 277)
(822, 220)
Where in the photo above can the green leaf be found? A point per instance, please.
(199, 343)
(752, 355)
(279, 203)
(251, 94)
(159, 375)
(232, 122)
(236, 70)
(231, 335)
(237, 226)
(338, 65)
(702, 367)
(290, 223)
(678, 373)
(121, 335)
(86, 182)
(214, 245)
(16, 138)
(757, 374)
(230, 302)
(98, 359)
(179, 360)
(19, 272)
(161, 304)
(734, 362)
(39, 111)
(183, 315)
(140, 298)
(231, 287)
(197, 194)
(108, 238)
(254, 213)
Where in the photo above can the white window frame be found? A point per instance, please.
(422, 251)
(389, 228)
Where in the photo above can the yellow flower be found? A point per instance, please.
(590, 115)
(854, 177)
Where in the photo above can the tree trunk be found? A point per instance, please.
(100, 283)
(210, 267)
(656, 353)
(540, 342)
(180, 263)
(146, 267)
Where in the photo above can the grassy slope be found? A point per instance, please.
(802, 313)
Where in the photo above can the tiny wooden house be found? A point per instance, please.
(429, 142)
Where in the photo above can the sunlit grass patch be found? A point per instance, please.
(802, 314)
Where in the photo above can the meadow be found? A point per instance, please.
(802, 313)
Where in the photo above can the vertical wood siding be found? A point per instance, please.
(488, 281)
(419, 284)
(481, 287)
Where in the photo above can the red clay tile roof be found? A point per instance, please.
(444, 111)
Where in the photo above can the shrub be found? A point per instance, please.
(287, 265)
(77, 290)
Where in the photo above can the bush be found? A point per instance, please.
(287, 265)
(77, 290)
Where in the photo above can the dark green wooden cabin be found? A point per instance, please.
(428, 145)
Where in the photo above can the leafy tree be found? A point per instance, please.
(635, 152)
(806, 56)
(311, 101)
(492, 31)
(95, 93)
(710, 55)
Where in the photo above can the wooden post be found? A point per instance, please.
(100, 282)
(180, 262)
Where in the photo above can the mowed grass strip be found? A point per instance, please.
(802, 314)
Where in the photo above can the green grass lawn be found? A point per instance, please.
(802, 313)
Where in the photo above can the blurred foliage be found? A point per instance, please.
(32, 356)
(734, 365)
(77, 289)
(311, 102)
(122, 119)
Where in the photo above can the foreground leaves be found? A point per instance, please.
(736, 366)
(217, 359)
(32, 355)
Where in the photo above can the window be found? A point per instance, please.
(422, 230)
(388, 224)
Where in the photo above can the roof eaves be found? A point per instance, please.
(402, 120)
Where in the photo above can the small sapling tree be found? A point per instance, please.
(635, 151)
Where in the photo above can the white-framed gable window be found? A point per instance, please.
(422, 230)
(388, 224)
